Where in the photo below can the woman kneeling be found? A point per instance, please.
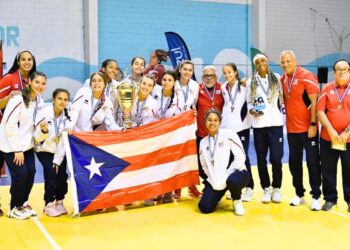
(222, 157)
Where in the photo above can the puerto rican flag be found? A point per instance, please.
(110, 168)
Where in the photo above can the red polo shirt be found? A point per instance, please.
(205, 103)
(329, 103)
(11, 82)
(297, 113)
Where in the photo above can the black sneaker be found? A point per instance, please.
(328, 205)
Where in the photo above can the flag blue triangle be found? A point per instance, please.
(89, 187)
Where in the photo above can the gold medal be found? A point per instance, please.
(339, 107)
(212, 162)
(232, 108)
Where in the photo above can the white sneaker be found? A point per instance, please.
(296, 201)
(248, 194)
(50, 210)
(28, 208)
(276, 195)
(238, 207)
(315, 205)
(267, 196)
(228, 196)
(60, 207)
(18, 213)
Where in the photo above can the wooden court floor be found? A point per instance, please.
(181, 226)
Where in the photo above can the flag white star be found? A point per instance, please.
(94, 168)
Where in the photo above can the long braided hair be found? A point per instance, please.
(274, 88)
(173, 75)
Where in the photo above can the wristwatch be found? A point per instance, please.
(313, 123)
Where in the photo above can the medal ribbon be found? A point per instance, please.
(212, 152)
(213, 96)
(341, 97)
(289, 84)
(228, 88)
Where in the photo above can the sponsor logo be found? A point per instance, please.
(9, 35)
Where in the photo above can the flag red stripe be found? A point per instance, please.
(142, 192)
(161, 156)
(103, 138)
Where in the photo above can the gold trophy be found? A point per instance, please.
(126, 96)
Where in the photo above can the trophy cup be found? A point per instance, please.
(126, 95)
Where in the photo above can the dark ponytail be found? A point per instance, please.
(173, 75)
(26, 94)
(66, 114)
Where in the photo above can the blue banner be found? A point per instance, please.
(178, 50)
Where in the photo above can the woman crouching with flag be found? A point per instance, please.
(54, 119)
(222, 157)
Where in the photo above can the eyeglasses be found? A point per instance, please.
(343, 70)
(209, 76)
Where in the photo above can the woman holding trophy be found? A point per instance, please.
(140, 108)
(91, 108)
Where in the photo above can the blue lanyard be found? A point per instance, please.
(289, 84)
(139, 111)
(57, 125)
(232, 100)
(95, 108)
(20, 80)
(35, 109)
(341, 97)
(213, 96)
(266, 91)
(163, 110)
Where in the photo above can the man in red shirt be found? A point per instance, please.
(333, 110)
(300, 88)
(209, 97)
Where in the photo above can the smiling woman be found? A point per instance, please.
(17, 78)
(222, 158)
(16, 133)
(90, 109)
